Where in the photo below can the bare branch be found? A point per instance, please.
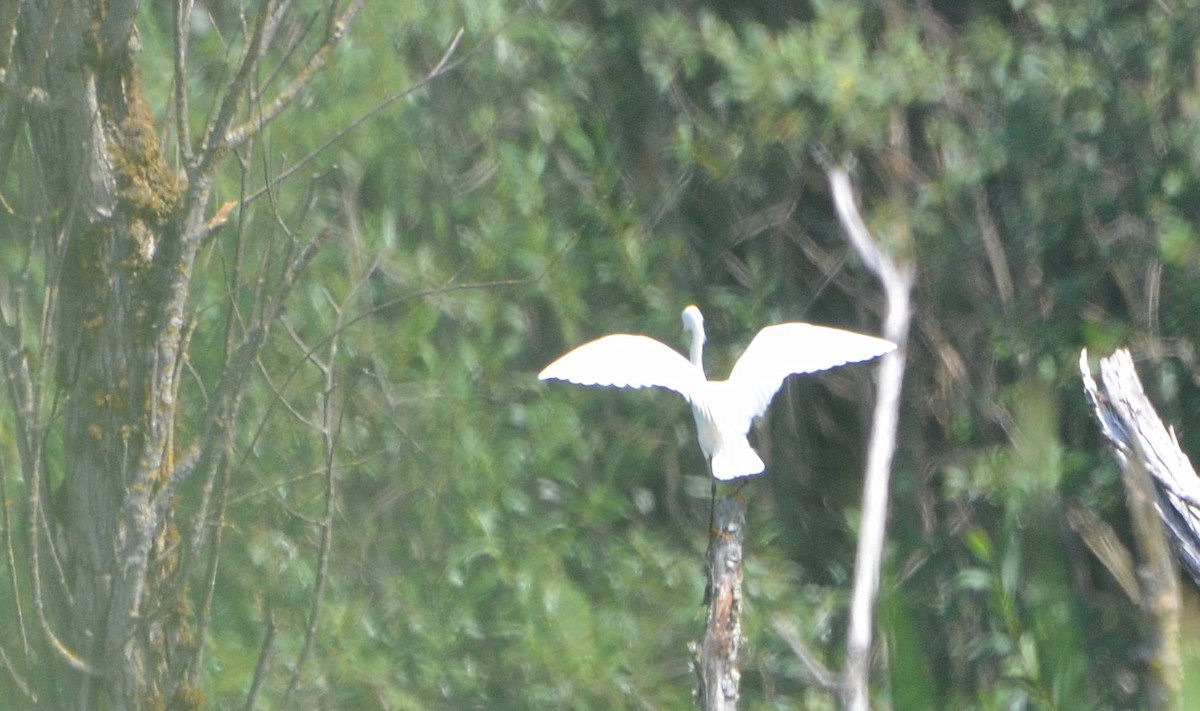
(28, 95)
(223, 405)
(9, 14)
(442, 67)
(266, 652)
(215, 144)
(1105, 544)
(11, 560)
(716, 661)
(12, 673)
(204, 619)
(299, 82)
(39, 604)
(22, 393)
(992, 246)
(897, 279)
(1153, 469)
(818, 672)
(295, 40)
(183, 121)
(330, 428)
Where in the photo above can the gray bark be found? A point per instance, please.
(119, 230)
(117, 334)
(717, 656)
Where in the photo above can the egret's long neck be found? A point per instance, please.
(698, 345)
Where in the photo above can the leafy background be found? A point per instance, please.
(592, 166)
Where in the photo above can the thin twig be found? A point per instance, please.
(1106, 545)
(214, 144)
(229, 390)
(22, 392)
(285, 57)
(183, 121)
(11, 559)
(265, 654)
(39, 605)
(442, 67)
(193, 458)
(17, 679)
(331, 415)
(993, 247)
(299, 82)
(818, 672)
(204, 618)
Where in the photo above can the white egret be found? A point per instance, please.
(723, 409)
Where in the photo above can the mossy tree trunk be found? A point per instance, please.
(112, 234)
(126, 258)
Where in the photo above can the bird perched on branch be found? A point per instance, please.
(723, 409)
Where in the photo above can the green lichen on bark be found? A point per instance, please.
(148, 190)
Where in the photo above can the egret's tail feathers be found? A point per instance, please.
(736, 460)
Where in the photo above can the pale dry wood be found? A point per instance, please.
(1161, 488)
(897, 277)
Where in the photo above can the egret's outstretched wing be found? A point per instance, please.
(794, 348)
(628, 362)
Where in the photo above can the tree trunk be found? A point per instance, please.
(118, 331)
(94, 367)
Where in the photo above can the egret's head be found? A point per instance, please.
(694, 322)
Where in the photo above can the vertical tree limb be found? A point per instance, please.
(717, 658)
(265, 654)
(897, 279)
(1160, 488)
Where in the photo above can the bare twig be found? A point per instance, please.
(22, 393)
(227, 395)
(11, 560)
(204, 618)
(818, 672)
(992, 246)
(299, 82)
(215, 142)
(897, 279)
(60, 648)
(442, 67)
(183, 122)
(1106, 545)
(266, 652)
(16, 677)
(330, 428)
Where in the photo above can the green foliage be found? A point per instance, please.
(594, 167)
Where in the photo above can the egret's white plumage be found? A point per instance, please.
(723, 409)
